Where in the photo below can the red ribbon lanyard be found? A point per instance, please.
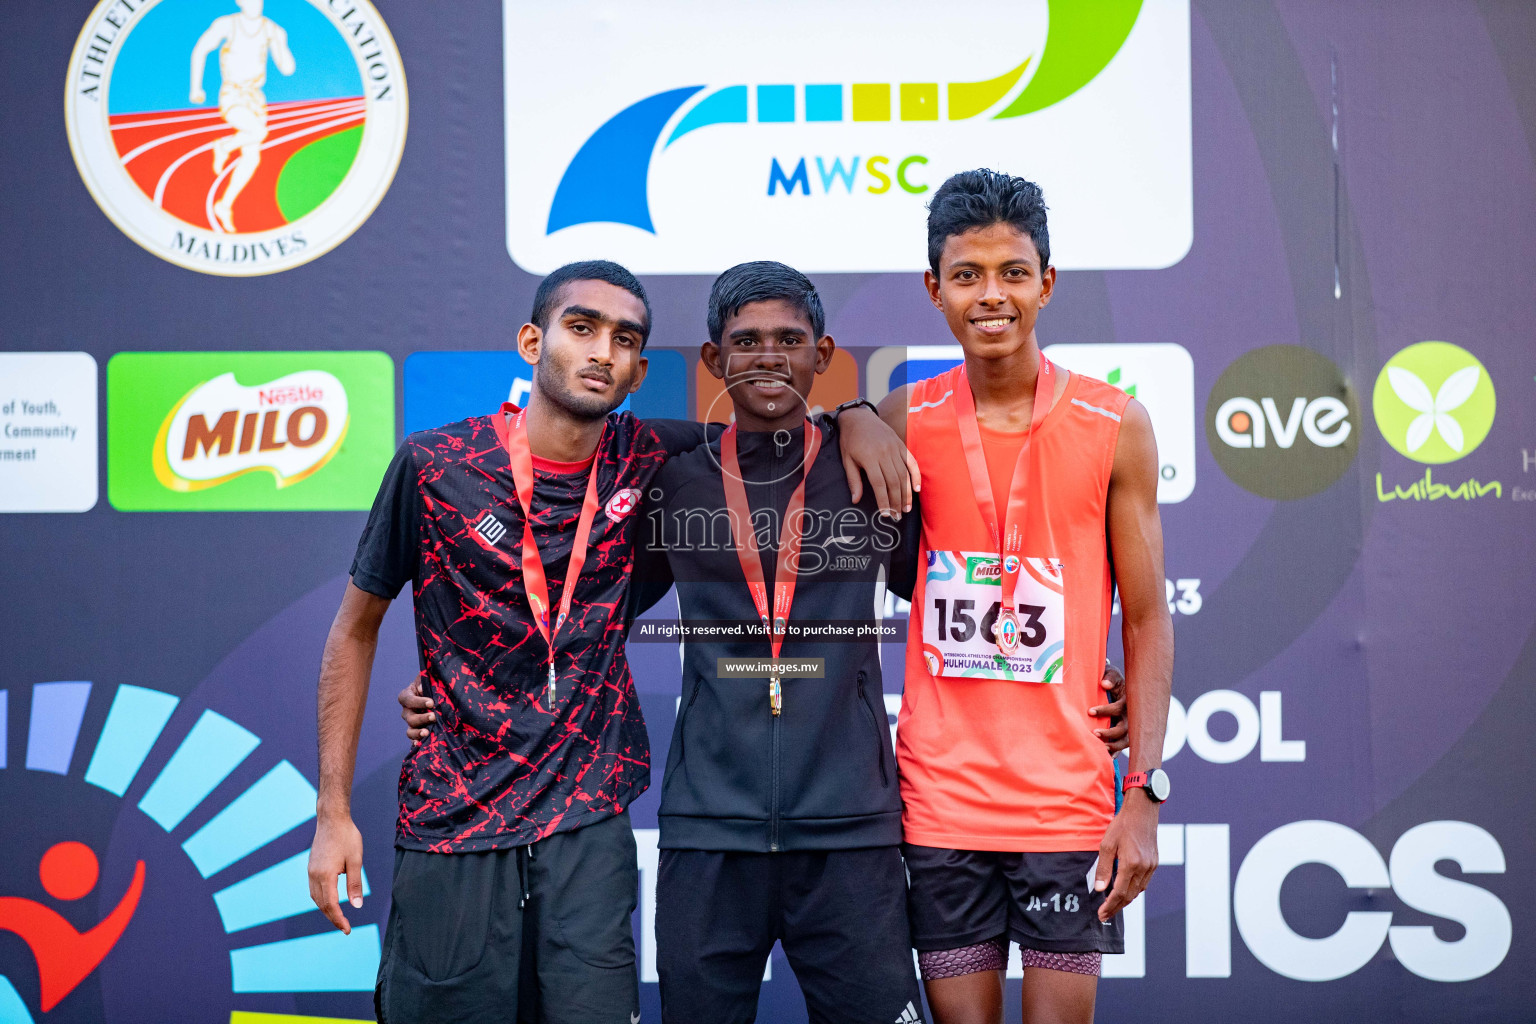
(789, 547)
(1007, 534)
(514, 437)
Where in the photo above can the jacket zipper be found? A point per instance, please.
(773, 814)
(874, 721)
(773, 821)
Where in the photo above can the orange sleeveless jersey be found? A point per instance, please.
(988, 764)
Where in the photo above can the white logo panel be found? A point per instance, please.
(821, 144)
(48, 438)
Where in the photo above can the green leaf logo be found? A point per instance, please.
(1434, 402)
(1114, 379)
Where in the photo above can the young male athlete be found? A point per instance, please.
(780, 814)
(515, 870)
(1039, 497)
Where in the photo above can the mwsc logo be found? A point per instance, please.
(236, 170)
(1281, 422)
(846, 119)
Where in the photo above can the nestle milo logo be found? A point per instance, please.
(202, 431)
(984, 570)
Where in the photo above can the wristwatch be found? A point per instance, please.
(1154, 783)
(855, 403)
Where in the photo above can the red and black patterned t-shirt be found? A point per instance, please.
(498, 768)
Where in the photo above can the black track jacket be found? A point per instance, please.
(822, 775)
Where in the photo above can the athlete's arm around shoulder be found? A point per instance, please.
(677, 437)
(1136, 551)
(876, 444)
(893, 410)
(651, 576)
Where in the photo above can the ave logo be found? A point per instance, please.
(1240, 423)
(1281, 422)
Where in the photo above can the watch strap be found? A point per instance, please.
(855, 403)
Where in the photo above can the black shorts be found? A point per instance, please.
(463, 944)
(840, 915)
(1042, 901)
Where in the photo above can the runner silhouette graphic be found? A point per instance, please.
(65, 957)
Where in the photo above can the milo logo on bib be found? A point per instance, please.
(984, 570)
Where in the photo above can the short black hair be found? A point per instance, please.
(763, 281)
(981, 198)
(548, 295)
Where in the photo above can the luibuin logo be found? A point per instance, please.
(248, 430)
(278, 145)
(837, 138)
(1434, 403)
(261, 937)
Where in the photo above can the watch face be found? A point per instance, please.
(1157, 782)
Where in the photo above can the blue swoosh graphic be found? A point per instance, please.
(608, 179)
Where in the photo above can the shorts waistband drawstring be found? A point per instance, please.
(523, 855)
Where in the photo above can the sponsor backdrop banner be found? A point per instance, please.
(256, 241)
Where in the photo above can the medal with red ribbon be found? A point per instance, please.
(776, 620)
(514, 437)
(1007, 533)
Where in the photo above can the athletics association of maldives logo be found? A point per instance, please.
(147, 945)
(820, 142)
(236, 137)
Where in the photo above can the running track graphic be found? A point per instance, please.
(169, 155)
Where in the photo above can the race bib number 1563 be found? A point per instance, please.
(962, 601)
